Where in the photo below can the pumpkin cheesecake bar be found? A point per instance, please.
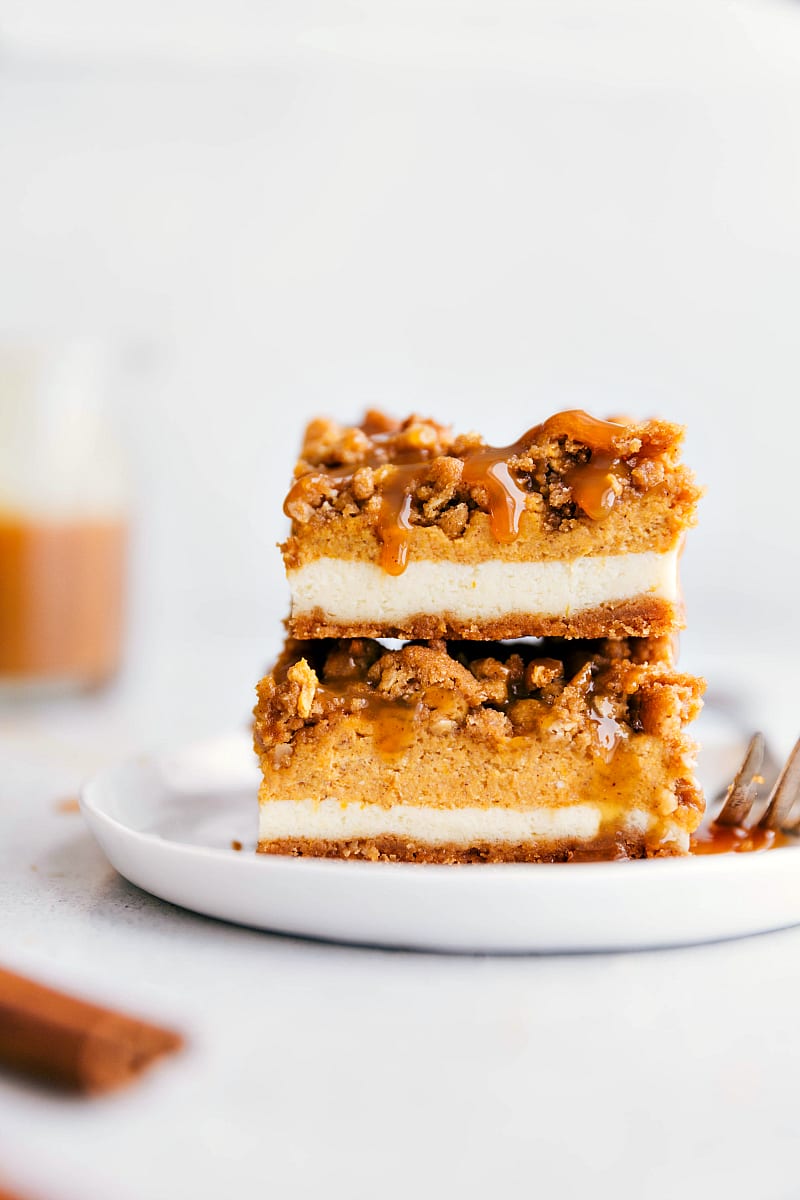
(403, 529)
(464, 752)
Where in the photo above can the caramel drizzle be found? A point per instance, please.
(393, 721)
(592, 484)
(394, 521)
(595, 485)
(488, 468)
(608, 730)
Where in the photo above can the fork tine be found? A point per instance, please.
(784, 793)
(742, 792)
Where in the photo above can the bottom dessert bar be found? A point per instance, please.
(477, 752)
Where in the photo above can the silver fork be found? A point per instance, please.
(743, 792)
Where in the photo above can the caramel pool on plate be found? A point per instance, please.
(727, 839)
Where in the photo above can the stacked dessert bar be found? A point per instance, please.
(532, 710)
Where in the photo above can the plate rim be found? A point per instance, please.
(493, 908)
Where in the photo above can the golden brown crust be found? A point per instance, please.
(396, 849)
(639, 617)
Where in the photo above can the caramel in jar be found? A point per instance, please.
(61, 597)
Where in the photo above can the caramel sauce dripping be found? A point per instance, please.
(579, 426)
(595, 485)
(488, 468)
(726, 839)
(608, 731)
(592, 484)
(394, 520)
(393, 721)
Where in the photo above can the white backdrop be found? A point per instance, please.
(484, 212)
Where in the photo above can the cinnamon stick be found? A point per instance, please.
(72, 1044)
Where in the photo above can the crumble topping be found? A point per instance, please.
(347, 470)
(603, 691)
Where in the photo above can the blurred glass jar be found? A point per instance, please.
(63, 520)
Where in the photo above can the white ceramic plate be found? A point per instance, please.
(167, 824)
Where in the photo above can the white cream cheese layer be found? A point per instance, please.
(330, 820)
(363, 592)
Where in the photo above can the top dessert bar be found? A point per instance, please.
(404, 529)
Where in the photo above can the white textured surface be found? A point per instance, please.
(357, 591)
(332, 819)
